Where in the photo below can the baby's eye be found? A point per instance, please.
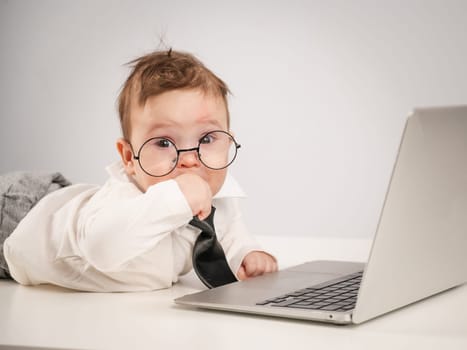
(209, 138)
(162, 143)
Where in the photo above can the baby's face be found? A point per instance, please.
(183, 117)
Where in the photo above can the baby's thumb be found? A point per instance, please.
(204, 213)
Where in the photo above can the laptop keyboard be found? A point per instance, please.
(334, 296)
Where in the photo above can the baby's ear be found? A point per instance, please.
(126, 153)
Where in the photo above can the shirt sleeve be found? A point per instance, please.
(113, 231)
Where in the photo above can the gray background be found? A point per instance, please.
(321, 92)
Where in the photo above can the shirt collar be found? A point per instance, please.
(117, 171)
(230, 188)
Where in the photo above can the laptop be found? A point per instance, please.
(419, 248)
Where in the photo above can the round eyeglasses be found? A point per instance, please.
(159, 156)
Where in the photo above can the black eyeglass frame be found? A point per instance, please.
(138, 158)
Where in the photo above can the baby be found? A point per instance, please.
(132, 234)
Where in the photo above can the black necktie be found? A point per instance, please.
(209, 260)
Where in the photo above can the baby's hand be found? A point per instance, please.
(255, 264)
(198, 194)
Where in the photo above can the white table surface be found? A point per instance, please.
(51, 317)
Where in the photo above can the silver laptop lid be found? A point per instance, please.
(422, 231)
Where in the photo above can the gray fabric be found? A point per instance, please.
(19, 192)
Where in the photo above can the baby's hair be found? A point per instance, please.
(163, 71)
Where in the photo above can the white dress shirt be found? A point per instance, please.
(117, 238)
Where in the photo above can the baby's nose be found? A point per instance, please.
(188, 159)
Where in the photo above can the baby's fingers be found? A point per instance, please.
(254, 267)
(241, 274)
(271, 265)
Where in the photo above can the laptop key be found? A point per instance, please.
(348, 307)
